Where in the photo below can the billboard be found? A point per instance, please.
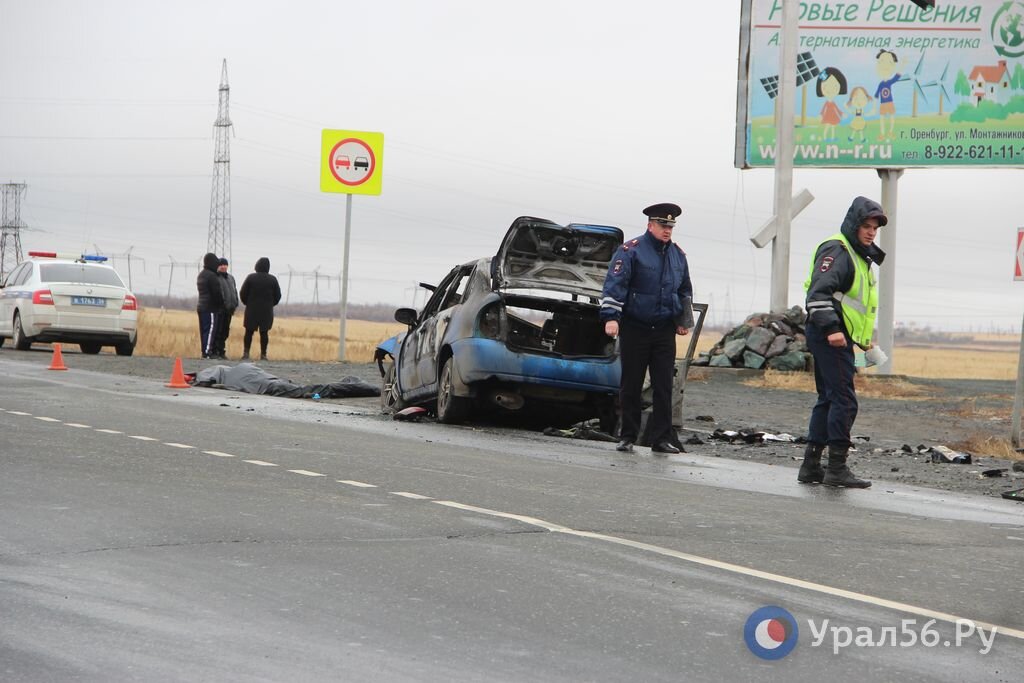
(885, 84)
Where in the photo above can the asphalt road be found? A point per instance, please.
(154, 534)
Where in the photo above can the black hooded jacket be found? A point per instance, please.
(834, 269)
(260, 293)
(211, 297)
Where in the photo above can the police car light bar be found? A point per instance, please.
(74, 257)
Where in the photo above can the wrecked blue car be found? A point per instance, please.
(519, 330)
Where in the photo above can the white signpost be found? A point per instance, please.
(1018, 397)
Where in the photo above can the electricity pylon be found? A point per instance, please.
(219, 240)
(10, 228)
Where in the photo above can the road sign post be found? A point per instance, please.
(351, 163)
(1018, 397)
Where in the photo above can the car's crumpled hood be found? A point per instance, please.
(540, 254)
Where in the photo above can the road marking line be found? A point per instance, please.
(360, 484)
(219, 454)
(261, 463)
(406, 494)
(47, 419)
(142, 438)
(80, 426)
(109, 431)
(307, 473)
(739, 569)
(177, 445)
(18, 412)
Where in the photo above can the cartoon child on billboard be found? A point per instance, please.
(860, 105)
(885, 67)
(831, 83)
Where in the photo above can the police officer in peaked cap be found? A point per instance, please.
(647, 301)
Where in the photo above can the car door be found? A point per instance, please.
(415, 344)
(7, 297)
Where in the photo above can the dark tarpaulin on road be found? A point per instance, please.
(252, 379)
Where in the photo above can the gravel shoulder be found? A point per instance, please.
(947, 412)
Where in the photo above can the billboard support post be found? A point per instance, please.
(887, 274)
(784, 115)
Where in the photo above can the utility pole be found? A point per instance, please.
(176, 264)
(219, 240)
(10, 227)
(128, 256)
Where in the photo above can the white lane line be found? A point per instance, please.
(18, 412)
(177, 445)
(360, 484)
(261, 463)
(219, 454)
(109, 431)
(47, 419)
(406, 494)
(739, 569)
(80, 426)
(142, 438)
(307, 473)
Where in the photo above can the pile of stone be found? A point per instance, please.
(764, 340)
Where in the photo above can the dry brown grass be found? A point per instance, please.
(973, 361)
(175, 334)
(969, 408)
(869, 387)
(992, 446)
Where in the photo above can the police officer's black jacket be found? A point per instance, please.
(833, 268)
(648, 282)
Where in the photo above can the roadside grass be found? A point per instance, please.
(175, 334)
(867, 386)
(990, 446)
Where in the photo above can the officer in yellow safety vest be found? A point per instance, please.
(842, 298)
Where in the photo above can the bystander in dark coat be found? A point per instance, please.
(260, 293)
(230, 291)
(210, 304)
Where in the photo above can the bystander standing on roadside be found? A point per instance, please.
(230, 292)
(647, 301)
(260, 293)
(842, 300)
(210, 304)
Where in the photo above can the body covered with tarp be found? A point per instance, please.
(252, 379)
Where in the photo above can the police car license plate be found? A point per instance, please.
(88, 301)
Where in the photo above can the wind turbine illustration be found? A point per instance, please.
(915, 78)
(940, 83)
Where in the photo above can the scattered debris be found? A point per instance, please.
(694, 441)
(947, 455)
(1017, 494)
(412, 414)
(704, 418)
(1018, 467)
(580, 431)
(995, 472)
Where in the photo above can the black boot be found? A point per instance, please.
(838, 474)
(811, 471)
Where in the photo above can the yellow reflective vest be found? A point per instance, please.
(859, 304)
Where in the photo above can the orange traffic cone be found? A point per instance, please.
(178, 377)
(58, 359)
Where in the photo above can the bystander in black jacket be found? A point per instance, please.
(210, 304)
(260, 293)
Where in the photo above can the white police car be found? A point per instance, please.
(80, 300)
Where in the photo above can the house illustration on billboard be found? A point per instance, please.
(991, 83)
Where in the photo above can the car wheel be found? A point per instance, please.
(20, 341)
(125, 348)
(390, 400)
(91, 348)
(451, 409)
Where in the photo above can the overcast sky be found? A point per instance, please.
(573, 110)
